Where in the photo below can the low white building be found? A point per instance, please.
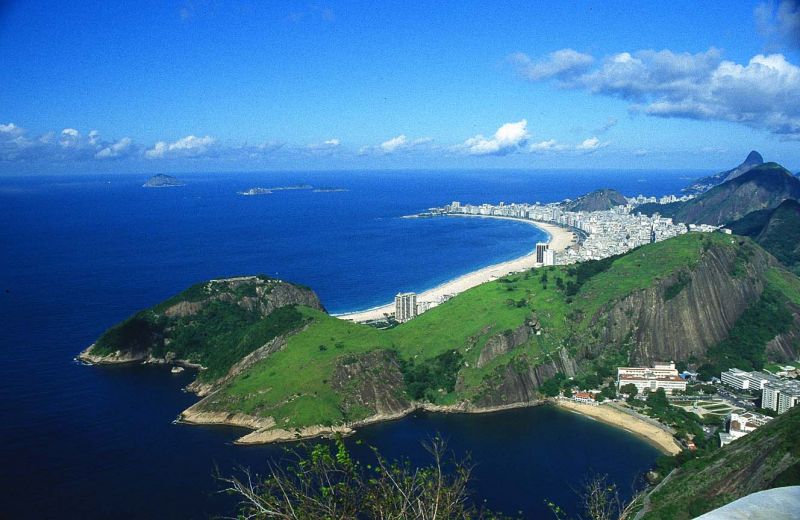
(740, 425)
(742, 380)
(661, 375)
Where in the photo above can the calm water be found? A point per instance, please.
(80, 253)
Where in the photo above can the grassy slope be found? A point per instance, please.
(294, 384)
(750, 464)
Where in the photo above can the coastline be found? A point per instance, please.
(559, 239)
(659, 438)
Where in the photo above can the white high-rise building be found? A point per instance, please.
(780, 396)
(541, 247)
(405, 306)
(549, 257)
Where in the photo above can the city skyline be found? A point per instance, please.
(211, 86)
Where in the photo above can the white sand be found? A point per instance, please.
(559, 239)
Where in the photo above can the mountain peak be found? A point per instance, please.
(753, 158)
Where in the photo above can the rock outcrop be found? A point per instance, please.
(699, 316)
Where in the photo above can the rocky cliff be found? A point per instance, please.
(682, 315)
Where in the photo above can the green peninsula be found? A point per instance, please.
(274, 361)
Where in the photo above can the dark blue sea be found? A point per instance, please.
(79, 253)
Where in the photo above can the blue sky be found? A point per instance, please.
(216, 86)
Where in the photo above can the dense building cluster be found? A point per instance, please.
(778, 394)
(603, 233)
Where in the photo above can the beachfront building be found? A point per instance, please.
(661, 375)
(405, 306)
(541, 247)
(549, 257)
(741, 380)
(740, 425)
(584, 397)
(780, 396)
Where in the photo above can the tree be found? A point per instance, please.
(568, 392)
(330, 484)
(658, 401)
(629, 389)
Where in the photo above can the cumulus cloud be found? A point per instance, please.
(116, 150)
(779, 22)
(508, 138)
(65, 146)
(559, 64)
(393, 144)
(189, 146)
(761, 94)
(590, 145)
(398, 144)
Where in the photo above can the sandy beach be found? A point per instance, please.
(559, 239)
(604, 413)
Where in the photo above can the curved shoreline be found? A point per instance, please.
(559, 239)
(654, 435)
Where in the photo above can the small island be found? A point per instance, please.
(329, 190)
(255, 191)
(163, 181)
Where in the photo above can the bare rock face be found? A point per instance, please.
(507, 341)
(518, 381)
(699, 316)
(370, 381)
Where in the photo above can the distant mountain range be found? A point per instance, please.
(764, 186)
(706, 183)
(598, 200)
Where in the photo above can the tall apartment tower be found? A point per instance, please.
(405, 306)
(541, 247)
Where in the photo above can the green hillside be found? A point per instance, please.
(270, 350)
(769, 457)
(777, 230)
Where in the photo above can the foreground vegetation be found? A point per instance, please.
(769, 457)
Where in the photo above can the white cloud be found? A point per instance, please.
(398, 144)
(332, 142)
(393, 144)
(547, 146)
(506, 139)
(761, 94)
(590, 145)
(640, 153)
(116, 150)
(779, 22)
(94, 137)
(189, 146)
(70, 138)
(10, 129)
(559, 64)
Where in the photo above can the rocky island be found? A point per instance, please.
(163, 181)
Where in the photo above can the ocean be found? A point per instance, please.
(82, 252)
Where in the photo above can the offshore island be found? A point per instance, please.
(628, 314)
